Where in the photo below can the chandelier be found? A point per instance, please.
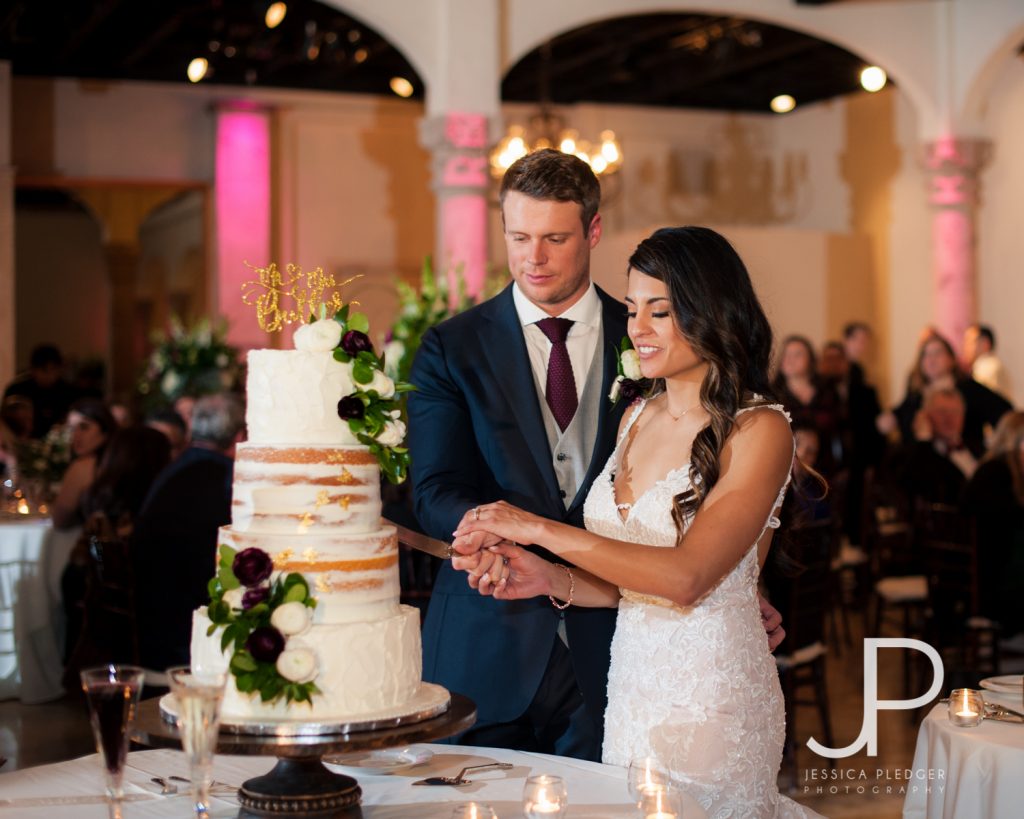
(548, 130)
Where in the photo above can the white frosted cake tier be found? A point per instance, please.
(364, 668)
(305, 490)
(292, 398)
(352, 576)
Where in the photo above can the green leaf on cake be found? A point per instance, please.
(246, 683)
(362, 373)
(243, 662)
(358, 321)
(227, 579)
(227, 637)
(219, 612)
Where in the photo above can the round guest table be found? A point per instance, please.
(967, 772)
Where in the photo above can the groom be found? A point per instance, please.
(503, 410)
(511, 404)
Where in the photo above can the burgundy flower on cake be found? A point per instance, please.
(265, 644)
(355, 342)
(255, 596)
(252, 566)
(351, 407)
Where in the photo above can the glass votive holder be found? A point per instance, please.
(660, 803)
(474, 810)
(966, 707)
(645, 773)
(545, 797)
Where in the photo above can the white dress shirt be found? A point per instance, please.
(582, 341)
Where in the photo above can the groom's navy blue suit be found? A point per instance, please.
(477, 435)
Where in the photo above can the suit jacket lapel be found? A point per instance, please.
(504, 347)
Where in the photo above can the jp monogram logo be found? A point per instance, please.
(872, 705)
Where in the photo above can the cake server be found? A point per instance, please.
(460, 780)
(422, 543)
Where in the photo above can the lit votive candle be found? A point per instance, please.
(966, 707)
(544, 797)
(660, 803)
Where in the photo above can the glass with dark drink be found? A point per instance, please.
(112, 692)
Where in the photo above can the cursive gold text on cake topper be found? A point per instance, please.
(282, 298)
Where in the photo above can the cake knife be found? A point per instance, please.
(422, 543)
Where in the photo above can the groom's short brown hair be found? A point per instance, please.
(553, 175)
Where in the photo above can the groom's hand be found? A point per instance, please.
(772, 623)
(475, 543)
(484, 569)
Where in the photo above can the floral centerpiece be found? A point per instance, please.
(263, 616)
(41, 463)
(194, 360)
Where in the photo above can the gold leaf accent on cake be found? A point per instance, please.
(281, 558)
(368, 564)
(274, 291)
(305, 521)
(321, 584)
(311, 554)
(346, 478)
(344, 501)
(322, 498)
(354, 456)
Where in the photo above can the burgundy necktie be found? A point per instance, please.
(561, 386)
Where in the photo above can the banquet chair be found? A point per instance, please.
(968, 642)
(804, 601)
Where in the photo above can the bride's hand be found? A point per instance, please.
(484, 567)
(528, 574)
(501, 519)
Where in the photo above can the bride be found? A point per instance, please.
(677, 527)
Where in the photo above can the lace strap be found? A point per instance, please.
(632, 418)
(773, 521)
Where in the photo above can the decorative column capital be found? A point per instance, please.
(954, 166)
(459, 143)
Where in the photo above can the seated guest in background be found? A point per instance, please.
(810, 400)
(130, 464)
(91, 425)
(16, 413)
(985, 366)
(808, 501)
(936, 369)
(857, 342)
(175, 540)
(45, 387)
(935, 465)
(172, 425)
(994, 497)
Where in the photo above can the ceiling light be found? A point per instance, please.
(275, 14)
(873, 78)
(783, 104)
(360, 55)
(197, 69)
(401, 86)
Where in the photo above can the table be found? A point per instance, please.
(981, 769)
(595, 791)
(32, 556)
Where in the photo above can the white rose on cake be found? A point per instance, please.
(319, 336)
(392, 435)
(291, 618)
(384, 386)
(297, 665)
(233, 597)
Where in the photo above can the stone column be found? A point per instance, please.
(123, 265)
(461, 178)
(242, 205)
(954, 165)
(8, 335)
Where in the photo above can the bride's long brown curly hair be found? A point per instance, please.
(715, 308)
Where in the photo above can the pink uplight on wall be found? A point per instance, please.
(243, 215)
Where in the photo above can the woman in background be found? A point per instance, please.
(91, 424)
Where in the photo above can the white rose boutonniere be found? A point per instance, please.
(630, 383)
(630, 361)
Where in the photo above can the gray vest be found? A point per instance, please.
(572, 449)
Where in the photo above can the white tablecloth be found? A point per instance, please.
(64, 790)
(32, 556)
(981, 769)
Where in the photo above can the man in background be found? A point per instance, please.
(175, 540)
(45, 387)
(984, 364)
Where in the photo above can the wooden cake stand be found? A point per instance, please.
(299, 784)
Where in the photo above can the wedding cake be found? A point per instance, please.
(306, 499)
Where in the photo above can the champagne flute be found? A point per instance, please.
(112, 692)
(198, 696)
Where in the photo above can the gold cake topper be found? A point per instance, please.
(274, 291)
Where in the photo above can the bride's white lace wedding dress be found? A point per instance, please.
(695, 687)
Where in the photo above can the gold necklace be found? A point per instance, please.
(682, 414)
